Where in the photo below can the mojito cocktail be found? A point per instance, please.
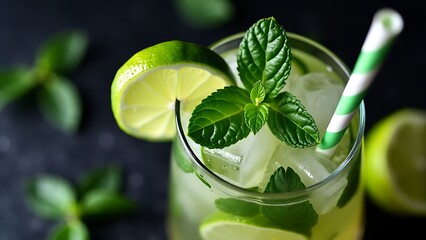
(245, 116)
(220, 193)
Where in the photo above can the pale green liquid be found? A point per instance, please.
(191, 200)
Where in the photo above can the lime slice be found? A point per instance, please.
(395, 162)
(145, 88)
(223, 226)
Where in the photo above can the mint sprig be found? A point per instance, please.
(230, 114)
(97, 195)
(57, 96)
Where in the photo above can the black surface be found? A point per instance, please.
(117, 29)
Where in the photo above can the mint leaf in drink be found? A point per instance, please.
(237, 207)
(218, 121)
(265, 56)
(300, 217)
(290, 122)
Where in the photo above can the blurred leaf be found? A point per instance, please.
(14, 83)
(73, 230)
(50, 197)
(100, 203)
(60, 102)
(62, 52)
(205, 13)
(105, 178)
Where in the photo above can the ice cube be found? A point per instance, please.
(223, 162)
(313, 167)
(310, 166)
(319, 92)
(245, 162)
(256, 158)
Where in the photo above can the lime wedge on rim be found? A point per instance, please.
(145, 88)
(395, 162)
(224, 226)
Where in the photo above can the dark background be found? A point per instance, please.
(29, 145)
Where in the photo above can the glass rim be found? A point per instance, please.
(235, 191)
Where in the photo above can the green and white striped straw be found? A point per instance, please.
(386, 25)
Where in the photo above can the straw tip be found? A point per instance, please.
(390, 19)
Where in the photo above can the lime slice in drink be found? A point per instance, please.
(145, 88)
(223, 226)
(395, 162)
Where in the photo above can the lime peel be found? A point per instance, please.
(224, 226)
(146, 87)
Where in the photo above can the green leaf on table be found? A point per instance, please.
(299, 217)
(218, 121)
(290, 122)
(205, 13)
(265, 56)
(63, 52)
(105, 178)
(237, 207)
(14, 83)
(60, 102)
(99, 203)
(71, 230)
(50, 196)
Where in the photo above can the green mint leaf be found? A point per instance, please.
(62, 53)
(50, 197)
(265, 55)
(99, 203)
(60, 102)
(71, 230)
(256, 113)
(299, 217)
(206, 13)
(290, 122)
(237, 207)
(257, 93)
(282, 181)
(14, 83)
(218, 121)
(105, 178)
(255, 116)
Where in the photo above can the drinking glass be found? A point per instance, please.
(196, 192)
